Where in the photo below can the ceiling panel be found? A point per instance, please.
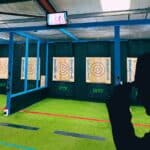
(93, 33)
(50, 34)
(90, 6)
(135, 4)
(28, 7)
(137, 16)
(135, 32)
(76, 6)
(11, 17)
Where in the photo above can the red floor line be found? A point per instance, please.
(1, 108)
(79, 118)
(142, 125)
(65, 116)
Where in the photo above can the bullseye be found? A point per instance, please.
(97, 69)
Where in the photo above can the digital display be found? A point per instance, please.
(59, 18)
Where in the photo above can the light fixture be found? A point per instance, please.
(115, 5)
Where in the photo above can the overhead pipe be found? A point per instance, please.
(111, 13)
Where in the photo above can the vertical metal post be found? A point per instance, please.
(26, 65)
(10, 72)
(38, 63)
(117, 66)
(46, 65)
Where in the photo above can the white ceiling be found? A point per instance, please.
(90, 6)
(77, 6)
(80, 11)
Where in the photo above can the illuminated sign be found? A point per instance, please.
(59, 18)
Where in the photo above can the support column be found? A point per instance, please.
(117, 66)
(46, 65)
(26, 65)
(10, 72)
(37, 65)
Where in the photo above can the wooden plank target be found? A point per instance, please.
(98, 70)
(63, 69)
(32, 72)
(3, 68)
(131, 67)
(43, 81)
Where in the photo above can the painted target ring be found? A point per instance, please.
(64, 69)
(97, 69)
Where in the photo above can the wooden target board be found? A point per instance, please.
(131, 68)
(43, 81)
(3, 68)
(98, 70)
(63, 69)
(32, 65)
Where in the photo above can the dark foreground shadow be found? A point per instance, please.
(119, 104)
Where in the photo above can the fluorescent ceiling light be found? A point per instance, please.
(113, 5)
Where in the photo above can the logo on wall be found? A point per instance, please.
(98, 70)
(63, 69)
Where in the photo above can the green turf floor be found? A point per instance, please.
(45, 139)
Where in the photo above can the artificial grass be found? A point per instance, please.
(2, 101)
(71, 107)
(45, 139)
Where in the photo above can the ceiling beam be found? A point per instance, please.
(22, 20)
(69, 34)
(47, 6)
(20, 14)
(81, 25)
